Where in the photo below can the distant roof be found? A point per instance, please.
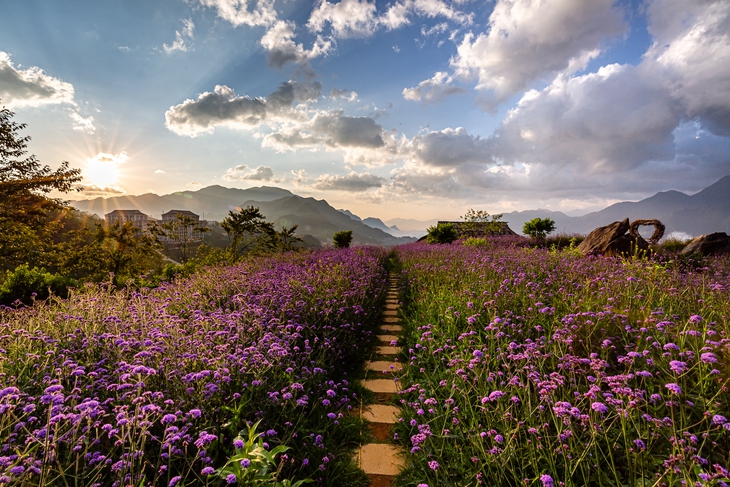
(180, 212)
(125, 212)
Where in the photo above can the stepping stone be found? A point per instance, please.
(387, 338)
(387, 350)
(391, 319)
(391, 307)
(383, 366)
(381, 459)
(393, 328)
(390, 312)
(381, 413)
(381, 418)
(383, 386)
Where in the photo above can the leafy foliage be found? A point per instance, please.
(476, 219)
(28, 216)
(248, 232)
(342, 239)
(183, 234)
(442, 233)
(26, 284)
(539, 228)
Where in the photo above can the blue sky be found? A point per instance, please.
(400, 108)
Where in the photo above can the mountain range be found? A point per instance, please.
(704, 212)
(284, 208)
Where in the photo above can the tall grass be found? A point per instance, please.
(532, 367)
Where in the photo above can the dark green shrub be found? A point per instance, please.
(443, 233)
(539, 228)
(342, 239)
(25, 284)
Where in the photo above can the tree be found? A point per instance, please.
(121, 250)
(182, 234)
(443, 233)
(248, 231)
(481, 222)
(28, 216)
(342, 239)
(538, 228)
(287, 239)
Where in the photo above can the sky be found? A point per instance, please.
(401, 108)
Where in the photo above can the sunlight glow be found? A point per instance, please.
(102, 170)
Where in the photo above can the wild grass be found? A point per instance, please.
(538, 367)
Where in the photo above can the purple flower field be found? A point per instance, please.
(152, 388)
(546, 368)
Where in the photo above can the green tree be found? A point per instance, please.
(443, 233)
(28, 216)
(183, 234)
(287, 238)
(538, 228)
(121, 250)
(481, 222)
(248, 232)
(342, 239)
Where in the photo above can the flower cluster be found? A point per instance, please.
(112, 387)
(527, 366)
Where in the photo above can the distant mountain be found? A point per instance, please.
(212, 202)
(318, 218)
(705, 212)
(350, 214)
(409, 226)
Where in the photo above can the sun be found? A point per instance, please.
(102, 170)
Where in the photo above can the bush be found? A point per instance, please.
(443, 233)
(26, 284)
(476, 242)
(342, 239)
(539, 228)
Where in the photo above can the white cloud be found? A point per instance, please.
(179, 44)
(282, 48)
(242, 173)
(359, 18)
(352, 182)
(446, 148)
(244, 12)
(690, 55)
(611, 120)
(344, 93)
(348, 18)
(433, 90)
(84, 124)
(222, 107)
(160, 171)
(31, 87)
(530, 39)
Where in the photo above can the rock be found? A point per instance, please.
(711, 244)
(612, 240)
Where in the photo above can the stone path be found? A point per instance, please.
(381, 460)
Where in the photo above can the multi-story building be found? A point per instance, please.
(138, 219)
(191, 231)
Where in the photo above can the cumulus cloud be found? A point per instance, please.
(602, 122)
(83, 124)
(222, 107)
(690, 54)
(348, 18)
(529, 39)
(338, 94)
(447, 148)
(244, 12)
(282, 48)
(352, 182)
(433, 90)
(179, 44)
(242, 173)
(31, 87)
(359, 18)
